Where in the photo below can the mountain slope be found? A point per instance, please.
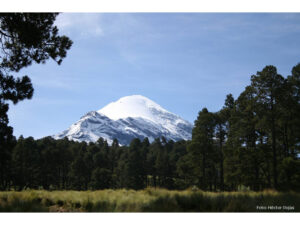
(130, 117)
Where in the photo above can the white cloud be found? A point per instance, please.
(80, 24)
(51, 83)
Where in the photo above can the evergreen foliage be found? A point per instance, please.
(253, 142)
(24, 38)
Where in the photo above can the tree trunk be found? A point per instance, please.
(222, 165)
(274, 145)
(203, 172)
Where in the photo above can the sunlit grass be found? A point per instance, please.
(147, 200)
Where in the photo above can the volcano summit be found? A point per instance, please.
(130, 117)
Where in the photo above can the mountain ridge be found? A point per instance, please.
(129, 117)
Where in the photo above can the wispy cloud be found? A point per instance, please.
(83, 25)
(52, 101)
(51, 83)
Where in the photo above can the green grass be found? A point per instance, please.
(148, 200)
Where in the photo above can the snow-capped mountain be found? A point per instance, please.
(130, 117)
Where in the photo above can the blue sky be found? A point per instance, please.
(184, 62)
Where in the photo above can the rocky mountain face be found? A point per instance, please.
(130, 117)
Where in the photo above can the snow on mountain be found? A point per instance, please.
(130, 117)
(132, 106)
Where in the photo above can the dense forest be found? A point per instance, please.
(251, 143)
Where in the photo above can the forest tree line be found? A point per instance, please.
(253, 142)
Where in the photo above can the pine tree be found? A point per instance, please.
(101, 179)
(134, 166)
(25, 38)
(25, 158)
(220, 133)
(201, 149)
(268, 85)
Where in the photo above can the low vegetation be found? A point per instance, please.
(148, 200)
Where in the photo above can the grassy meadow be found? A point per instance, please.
(148, 200)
